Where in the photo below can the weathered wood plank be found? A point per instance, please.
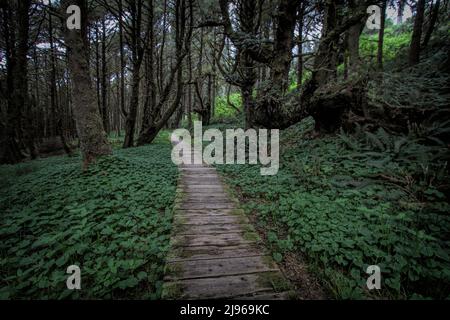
(288, 295)
(228, 239)
(200, 174)
(207, 229)
(216, 288)
(215, 252)
(205, 212)
(218, 267)
(206, 206)
(204, 197)
(201, 187)
(205, 219)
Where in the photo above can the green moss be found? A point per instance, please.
(251, 236)
(172, 291)
(173, 269)
(274, 280)
(269, 262)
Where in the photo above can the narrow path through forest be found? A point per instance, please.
(215, 252)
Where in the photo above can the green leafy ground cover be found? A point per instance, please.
(113, 221)
(347, 202)
(396, 39)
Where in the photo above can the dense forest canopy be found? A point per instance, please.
(154, 64)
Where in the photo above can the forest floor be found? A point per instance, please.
(338, 204)
(113, 221)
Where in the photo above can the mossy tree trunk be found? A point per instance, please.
(92, 136)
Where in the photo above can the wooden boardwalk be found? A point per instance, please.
(215, 252)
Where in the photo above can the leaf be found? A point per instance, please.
(128, 283)
(142, 275)
(278, 257)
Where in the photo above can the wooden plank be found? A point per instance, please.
(219, 267)
(213, 192)
(204, 212)
(204, 219)
(288, 295)
(206, 206)
(228, 239)
(215, 252)
(201, 187)
(216, 288)
(208, 229)
(202, 184)
(209, 203)
(192, 197)
(197, 169)
(196, 179)
(203, 175)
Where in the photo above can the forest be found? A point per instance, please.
(91, 91)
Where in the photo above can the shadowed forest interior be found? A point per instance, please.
(361, 101)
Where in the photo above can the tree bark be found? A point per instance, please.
(381, 36)
(150, 100)
(432, 23)
(93, 140)
(301, 12)
(325, 59)
(284, 34)
(354, 33)
(122, 61)
(57, 125)
(414, 49)
(137, 53)
(401, 7)
(104, 83)
(16, 16)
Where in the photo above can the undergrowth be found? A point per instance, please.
(350, 201)
(113, 221)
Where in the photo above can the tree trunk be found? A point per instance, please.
(130, 123)
(189, 108)
(301, 12)
(381, 37)
(15, 16)
(57, 125)
(354, 33)
(137, 52)
(414, 50)
(122, 61)
(401, 8)
(325, 59)
(93, 141)
(432, 23)
(284, 34)
(104, 83)
(150, 101)
(248, 69)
